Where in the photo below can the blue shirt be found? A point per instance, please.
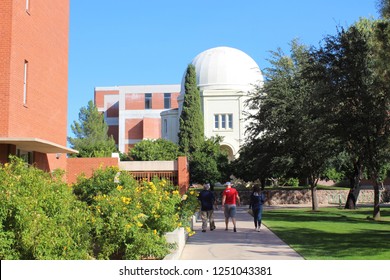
(207, 199)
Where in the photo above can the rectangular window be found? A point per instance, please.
(148, 101)
(223, 121)
(167, 100)
(25, 82)
(165, 126)
(216, 121)
(230, 121)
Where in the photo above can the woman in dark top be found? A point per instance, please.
(257, 199)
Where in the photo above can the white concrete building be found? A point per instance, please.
(225, 76)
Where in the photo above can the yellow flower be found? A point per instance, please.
(192, 192)
(139, 224)
(188, 229)
(179, 224)
(184, 197)
(128, 226)
(119, 188)
(155, 231)
(126, 200)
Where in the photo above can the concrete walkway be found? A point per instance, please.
(245, 244)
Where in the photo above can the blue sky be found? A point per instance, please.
(133, 42)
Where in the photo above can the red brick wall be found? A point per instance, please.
(78, 166)
(5, 60)
(114, 131)
(183, 176)
(99, 96)
(158, 101)
(151, 128)
(41, 38)
(174, 103)
(135, 101)
(134, 128)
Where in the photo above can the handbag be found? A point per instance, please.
(250, 212)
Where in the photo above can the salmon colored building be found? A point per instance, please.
(133, 112)
(34, 81)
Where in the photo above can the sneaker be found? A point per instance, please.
(226, 228)
(258, 229)
(235, 230)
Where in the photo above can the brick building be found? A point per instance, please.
(34, 81)
(133, 112)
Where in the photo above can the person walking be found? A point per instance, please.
(207, 200)
(257, 199)
(229, 199)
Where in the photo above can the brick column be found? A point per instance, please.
(183, 176)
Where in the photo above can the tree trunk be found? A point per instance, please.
(354, 187)
(314, 199)
(377, 212)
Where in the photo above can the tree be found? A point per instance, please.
(209, 164)
(91, 138)
(384, 8)
(355, 89)
(149, 150)
(287, 117)
(191, 130)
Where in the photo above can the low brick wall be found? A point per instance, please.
(78, 166)
(325, 197)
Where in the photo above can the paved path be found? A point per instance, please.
(245, 244)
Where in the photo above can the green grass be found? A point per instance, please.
(332, 233)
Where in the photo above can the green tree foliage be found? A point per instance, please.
(91, 138)
(191, 130)
(384, 8)
(354, 85)
(209, 164)
(287, 121)
(40, 218)
(149, 150)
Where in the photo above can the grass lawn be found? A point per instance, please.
(332, 233)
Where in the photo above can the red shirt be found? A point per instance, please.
(231, 195)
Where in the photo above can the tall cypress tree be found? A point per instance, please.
(191, 130)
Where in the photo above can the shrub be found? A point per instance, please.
(130, 217)
(40, 218)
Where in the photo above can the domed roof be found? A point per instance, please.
(225, 68)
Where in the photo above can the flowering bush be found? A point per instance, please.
(130, 217)
(40, 218)
(109, 216)
(187, 207)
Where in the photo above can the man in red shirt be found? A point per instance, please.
(229, 199)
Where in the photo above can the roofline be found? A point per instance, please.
(37, 145)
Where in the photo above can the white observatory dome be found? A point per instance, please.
(225, 68)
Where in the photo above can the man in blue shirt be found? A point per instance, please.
(207, 201)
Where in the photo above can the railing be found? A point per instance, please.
(149, 175)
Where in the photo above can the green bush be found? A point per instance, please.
(40, 218)
(130, 217)
(112, 216)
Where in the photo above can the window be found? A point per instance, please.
(216, 121)
(167, 100)
(25, 82)
(223, 121)
(165, 126)
(230, 121)
(148, 101)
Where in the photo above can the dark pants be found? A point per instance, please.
(257, 213)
